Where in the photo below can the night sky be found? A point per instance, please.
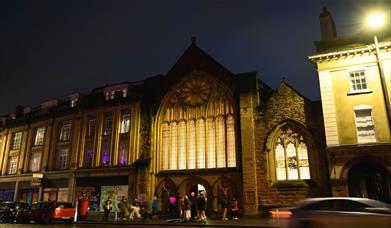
(50, 49)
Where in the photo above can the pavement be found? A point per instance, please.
(245, 221)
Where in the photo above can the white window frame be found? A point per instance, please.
(32, 166)
(362, 108)
(12, 164)
(65, 133)
(353, 77)
(62, 158)
(125, 123)
(16, 140)
(39, 136)
(106, 129)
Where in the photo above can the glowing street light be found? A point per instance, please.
(375, 20)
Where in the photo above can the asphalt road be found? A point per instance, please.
(97, 226)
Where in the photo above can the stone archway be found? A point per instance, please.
(191, 183)
(369, 180)
(224, 185)
(164, 190)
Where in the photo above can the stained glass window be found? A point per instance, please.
(191, 157)
(211, 143)
(291, 156)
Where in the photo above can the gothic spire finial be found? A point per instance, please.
(193, 39)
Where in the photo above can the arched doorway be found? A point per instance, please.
(164, 190)
(370, 181)
(198, 186)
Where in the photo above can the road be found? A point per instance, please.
(104, 225)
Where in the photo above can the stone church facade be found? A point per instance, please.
(198, 128)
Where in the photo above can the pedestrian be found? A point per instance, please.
(123, 208)
(172, 202)
(107, 206)
(201, 207)
(135, 210)
(224, 206)
(155, 208)
(187, 207)
(193, 199)
(147, 210)
(181, 207)
(234, 209)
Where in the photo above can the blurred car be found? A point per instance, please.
(46, 212)
(337, 212)
(11, 211)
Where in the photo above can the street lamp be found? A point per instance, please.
(375, 21)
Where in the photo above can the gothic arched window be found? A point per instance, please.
(291, 156)
(197, 125)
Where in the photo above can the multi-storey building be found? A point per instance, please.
(355, 82)
(197, 128)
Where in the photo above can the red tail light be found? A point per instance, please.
(276, 213)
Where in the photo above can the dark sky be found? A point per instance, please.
(49, 49)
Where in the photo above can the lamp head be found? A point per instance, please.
(375, 19)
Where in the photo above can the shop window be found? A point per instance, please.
(107, 124)
(291, 156)
(364, 124)
(39, 136)
(16, 140)
(35, 161)
(125, 123)
(12, 164)
(62, 158)
(65, 132)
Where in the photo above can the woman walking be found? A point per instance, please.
(201, 207)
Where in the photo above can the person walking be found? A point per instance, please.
(107, 207)
(224, 206)
(155, 207)
(234, 209)
(123, 208)
(182, 209)
(172, 202)
(187, 208)
(201, 207)
(193, 199)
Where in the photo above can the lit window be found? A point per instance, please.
(125, 123)
(12, 164)
(182, 145)
(35, 161)
(62, 158)
(358, 81)
(91, 127)
(123, 153)
(16, 140)
(364, 125)
(200, 129)
(88, 155)
(211, 143)
(65, 133)
(107, 124)
(105, 156)
(231, 154)
(291, 156)
(197, 129)
(124, 93)
(173, 149)
(73, 103)
(39, 136)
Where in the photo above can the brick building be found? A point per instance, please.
(198, 128)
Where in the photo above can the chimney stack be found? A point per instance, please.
(327, 25)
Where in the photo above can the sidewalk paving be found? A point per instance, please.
(246, 221)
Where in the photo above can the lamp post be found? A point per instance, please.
(376, 20)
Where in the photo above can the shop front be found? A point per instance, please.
(55, 190)
(7, 190)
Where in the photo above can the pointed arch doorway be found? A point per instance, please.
(370, 181)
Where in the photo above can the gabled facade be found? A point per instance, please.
(356, 111)
(199, 128)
